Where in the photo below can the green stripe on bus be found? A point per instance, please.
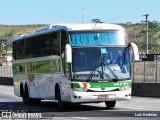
(111, 84)
(75, 85)
(103, 84)
(46, 66)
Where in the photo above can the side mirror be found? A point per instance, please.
(68, 54)
(135, 51)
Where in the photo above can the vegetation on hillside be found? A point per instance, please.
(9, 32)
(136, 33)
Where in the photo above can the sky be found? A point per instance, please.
(17, 12)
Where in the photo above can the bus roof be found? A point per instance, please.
(72, 27)
(92, 26)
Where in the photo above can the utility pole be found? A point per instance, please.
(146, 21)
(82, 15)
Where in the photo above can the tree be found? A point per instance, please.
(3, 47)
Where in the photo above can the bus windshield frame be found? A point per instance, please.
(88, 44)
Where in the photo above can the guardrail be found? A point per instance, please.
(142, 72)
(146, 72)
(145, 75)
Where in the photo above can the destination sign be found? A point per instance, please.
(149, 57)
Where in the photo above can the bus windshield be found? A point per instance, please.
(94, 38)
(88, 60)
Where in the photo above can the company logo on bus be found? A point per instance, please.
(103, 88)
(121, 84)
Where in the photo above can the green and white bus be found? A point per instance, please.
(75, 63)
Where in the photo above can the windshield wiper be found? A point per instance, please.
(93, 71)
(102, 64)
(116, 78)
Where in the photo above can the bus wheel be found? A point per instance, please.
(26, 96)
(27, 100)
(23, 96)
(110, 104)
(60, 102)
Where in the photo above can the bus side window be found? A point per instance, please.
(55, 43)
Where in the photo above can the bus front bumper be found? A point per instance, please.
(80, 97)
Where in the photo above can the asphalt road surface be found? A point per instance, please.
(137, 108)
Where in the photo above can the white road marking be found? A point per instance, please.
(123, 108)
(9, 93)
(128, 107)
(58, 114)
(83, 118)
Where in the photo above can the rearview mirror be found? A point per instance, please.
(135, 51)
(68, 53)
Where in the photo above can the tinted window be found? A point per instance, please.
(91, 38)
(38, 46)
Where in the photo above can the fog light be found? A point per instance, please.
(74, 96)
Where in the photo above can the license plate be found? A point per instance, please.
(103, 96)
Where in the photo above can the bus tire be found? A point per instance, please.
(26, 96)
(60, 103)
(110, 104)
(28, 100)
(23, 95)
(58, 97)
(21, 90)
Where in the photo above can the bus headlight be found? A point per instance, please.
(79, 89)
(125, 88)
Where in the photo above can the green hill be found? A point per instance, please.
(135, 32)
(9, 32)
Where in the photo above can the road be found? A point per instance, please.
(139, 107)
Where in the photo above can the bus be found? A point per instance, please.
(74, 63)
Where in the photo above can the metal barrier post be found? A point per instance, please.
(133, 71)
(144, 73)
(156, 72)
